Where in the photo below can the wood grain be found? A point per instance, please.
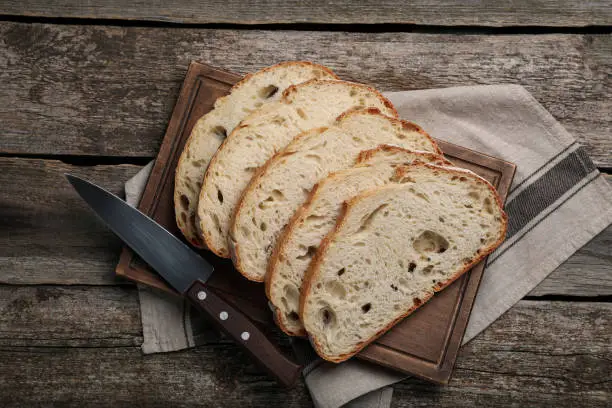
(73, 247)
(539, 353)
(99, 90)
(439, 12)
(56, 316)
(47, 233)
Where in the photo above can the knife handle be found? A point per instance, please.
(245, 333)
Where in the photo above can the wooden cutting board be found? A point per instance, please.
(424, 344)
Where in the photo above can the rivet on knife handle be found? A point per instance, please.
(244, 332)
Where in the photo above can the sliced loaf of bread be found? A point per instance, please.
(392, 248)
(260, 136)
(282, 185)
(211, 129)
(315, 219)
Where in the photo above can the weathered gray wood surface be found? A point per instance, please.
(99, 90)
(69, 316)
(439, 12)
(539, 353)
(72, 247)
(70, 332)
(47, 233)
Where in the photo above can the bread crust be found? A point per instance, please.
(287, 232)
(405, 124)
(205, 235)
(197, 241)
(314, 268)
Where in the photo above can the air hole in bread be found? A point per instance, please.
(335, 289)
(367, 220)
(293, 316)
(341, 272)
(313, 218)
(327, 317)
(466, 260)
(412, 266)
(184, 202)
(310, 252)
(245, 231)
(301, 113)
(368, 261)
(217, 222)
(220, 132)
(423, 196)
(278, 195)
(263, 226)
(462, 178)
(291, 296)
(357, 139)
(192, 220)
(400, 135)
(417, 301)
(198, 163)
(395, 288)
(427, 270)
(315, 157)
(184, 218)
(220, 196)
(474, 195)
(268, 91)
(441, 219)
(366, 308)
(430, 241)
(353, 92)
(488, 206)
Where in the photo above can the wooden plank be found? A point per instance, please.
(440, 12)
(98, 90)
(56, 316)
(47, 233)
(72, 247)
(539, 353)
(586, 273)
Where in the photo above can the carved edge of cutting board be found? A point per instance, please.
(186, 112)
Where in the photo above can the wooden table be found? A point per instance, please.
(88, 87)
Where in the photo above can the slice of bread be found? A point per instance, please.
(211, 129)
(316, 218)
(260, 136)
(282, 185)
(393, 247)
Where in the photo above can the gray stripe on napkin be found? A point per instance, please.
(543, 192)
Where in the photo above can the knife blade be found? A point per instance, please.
(186, 272)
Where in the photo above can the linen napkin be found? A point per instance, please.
(557, 203)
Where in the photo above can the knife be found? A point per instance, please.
(186, 272)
